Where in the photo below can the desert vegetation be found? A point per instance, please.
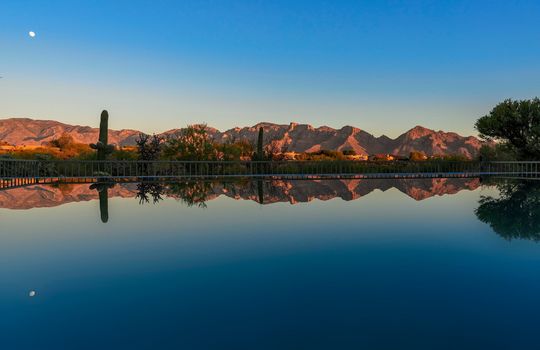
(511, 131)
(513, 128)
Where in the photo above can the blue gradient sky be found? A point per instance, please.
(383, 66)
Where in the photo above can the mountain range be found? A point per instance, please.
(285, 138)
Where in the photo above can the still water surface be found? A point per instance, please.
(374, 264)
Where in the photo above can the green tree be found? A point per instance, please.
(234, 150)
(193, 143)
(515, 124)
(498, 152)
(149, 147)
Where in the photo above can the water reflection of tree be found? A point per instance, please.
(147, 190)
(191, 193)
(515, 213)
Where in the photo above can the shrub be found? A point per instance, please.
(417, 156)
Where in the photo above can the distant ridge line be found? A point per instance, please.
(293, 137)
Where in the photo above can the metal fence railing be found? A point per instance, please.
(40, 169)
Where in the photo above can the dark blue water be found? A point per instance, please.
(315, 266)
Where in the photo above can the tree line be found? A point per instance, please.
(511, 131)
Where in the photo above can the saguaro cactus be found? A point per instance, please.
(260, 151)
(103, 149)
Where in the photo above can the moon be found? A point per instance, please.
(32, 293)
(31, 34)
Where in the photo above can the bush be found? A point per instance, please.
(124, 154)
(417, 156)
(326, 155)
(193, 143)
(63, 142)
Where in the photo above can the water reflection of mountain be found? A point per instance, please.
(306, 191)
(294, 191)
(44, 196)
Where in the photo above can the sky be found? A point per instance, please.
(383, 66)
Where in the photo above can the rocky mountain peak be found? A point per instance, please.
(292, 137)
(418, 132)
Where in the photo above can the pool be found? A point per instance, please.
(327, 264)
